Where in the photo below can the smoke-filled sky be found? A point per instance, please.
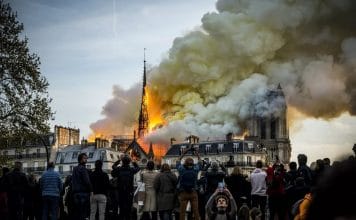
(211, 63)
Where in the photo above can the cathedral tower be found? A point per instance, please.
(143, 119)
(271, 132)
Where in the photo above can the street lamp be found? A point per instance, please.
(50, 139)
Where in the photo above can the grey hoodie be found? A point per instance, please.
(258, 182)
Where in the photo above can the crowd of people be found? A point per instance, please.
(196, 191)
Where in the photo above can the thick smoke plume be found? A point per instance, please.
(217, 77)
(120, 113)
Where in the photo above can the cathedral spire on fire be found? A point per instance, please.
(143, 119)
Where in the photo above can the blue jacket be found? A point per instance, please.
(51, 183)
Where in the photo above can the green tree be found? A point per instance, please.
(23, 90)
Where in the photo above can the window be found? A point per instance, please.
(235, 147)
(182, 149)
(91, 154)
(220, 148)
(88, 166)
(71, 168)
(62, 157)
(208, 148)
(74, 155)
(38, 151)
(102, 155)
(112, 156)
(249, 160)
(60, 169)
(27, 153)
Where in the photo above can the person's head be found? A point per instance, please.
(221, 202)
(165, 168)
(189, 163)
(214, 166)
(126, 160)
(82, 158)
(5, 170)
(150, 165)
(327, 161)
(98, 165)
(255, 213)
(302, 159)
(259, 164)
(50, 165)
(17, 166)
(293, 166)
(236, 171)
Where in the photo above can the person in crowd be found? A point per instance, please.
(327, 162)
(334, 195)
(213, 177)
(259, 188)
(3, 195)
(221, 205)
(51, 187)
(202, 192)
(150, 204)
(68, 196)
(30, 198)
(16, 184)
(303, 170)
(291, 175)
(276, 192)
(187, 184)
(165, 185)
(125, 185)
(81, 188)
(296, 193)
(239, 187)
(100, 182)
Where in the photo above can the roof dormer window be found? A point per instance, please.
(208, 148)
(235, 147)
(220, 148)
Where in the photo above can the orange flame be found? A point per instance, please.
(154, 111)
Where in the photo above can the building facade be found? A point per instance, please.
(271, 131)
(67, 157)
(227, 152)
(31, 152)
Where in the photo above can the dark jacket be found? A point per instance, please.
(100, 182)
(80, 180)
(125, 174)
(165, 185)
(16, 184)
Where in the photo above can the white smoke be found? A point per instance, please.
(218, 76)
(208, 86)
(120, 112)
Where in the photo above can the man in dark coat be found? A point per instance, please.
(16, 184)
(125, 181)
(81, 188)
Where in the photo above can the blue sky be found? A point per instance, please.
(86, 47)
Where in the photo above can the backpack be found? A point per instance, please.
(187, 180)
